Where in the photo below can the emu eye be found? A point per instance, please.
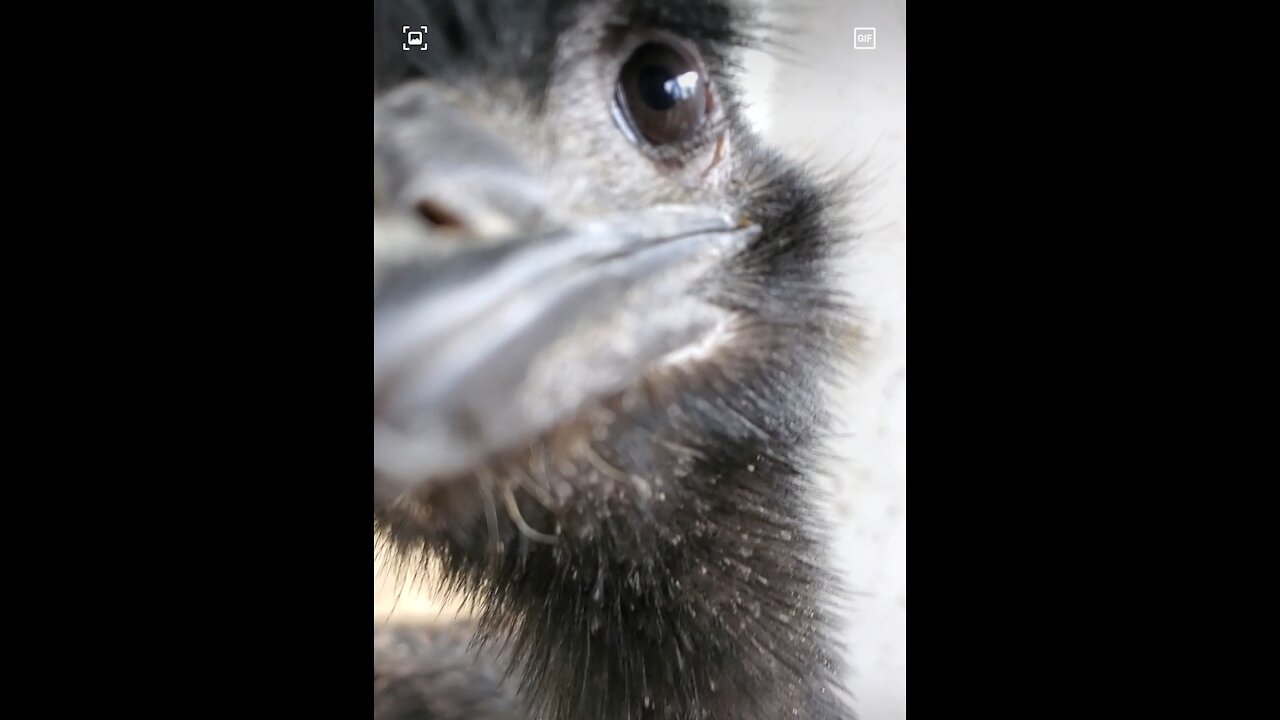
(663, 94)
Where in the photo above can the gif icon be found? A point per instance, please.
(863, 38)
(414, 38)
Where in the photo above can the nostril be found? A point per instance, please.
(475, 202)
(439, 216)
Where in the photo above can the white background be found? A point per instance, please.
(824, 102)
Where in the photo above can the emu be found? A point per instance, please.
(604, 314)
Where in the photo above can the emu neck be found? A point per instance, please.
(720, 618)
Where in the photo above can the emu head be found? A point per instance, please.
(603, 313)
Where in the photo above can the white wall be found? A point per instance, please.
(823, 101)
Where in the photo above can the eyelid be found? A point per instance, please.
(678, 153)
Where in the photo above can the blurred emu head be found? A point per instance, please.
(603, 314)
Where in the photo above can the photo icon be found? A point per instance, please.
(414, 38)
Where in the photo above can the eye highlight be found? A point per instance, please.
(663, 94)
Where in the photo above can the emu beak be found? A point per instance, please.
(481, 349)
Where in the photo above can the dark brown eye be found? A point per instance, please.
(663, 94)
